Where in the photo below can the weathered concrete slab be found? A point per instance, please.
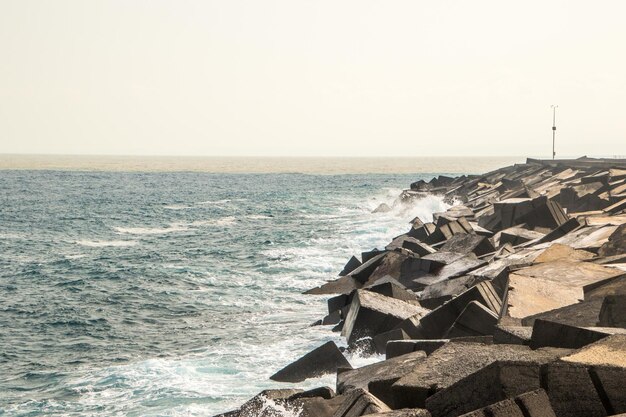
(558, 252)
(547, 333)
(411, 244)
(380, 340)
(350, 266)
(590, 238)
(379, 377)
(393, 289)
(613, 311)
(616, 244)
(458, 268)
(436, 323)
(474, 320)
(409, 412)
(468, 243)
(530, 404)
(583, 314)
(496, 382)
(358, 403)
(402, 347)
(516, 236)
(512, 335)
(438, 293)
(448, 365)
(371, 314)
(322, 360)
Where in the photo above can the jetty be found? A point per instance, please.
(510, 303)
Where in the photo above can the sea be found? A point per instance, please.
(161, 287)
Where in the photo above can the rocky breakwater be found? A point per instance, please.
(511, 303)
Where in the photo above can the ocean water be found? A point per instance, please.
(173, 293)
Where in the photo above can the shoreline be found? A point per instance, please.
(504, 301)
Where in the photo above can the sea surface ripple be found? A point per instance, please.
(171, 294)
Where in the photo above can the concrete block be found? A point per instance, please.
(371, 314)
(613, 311)
(350, 266)
(451, 363)
(547, 333)
(582, 314)
(358, 403)
(493, 383)
(474, 320)
(436, 323)
(397, 348)
(468, 243)
(512, 335)
(322, 360)
(380, 340)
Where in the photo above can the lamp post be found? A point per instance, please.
(554, 106)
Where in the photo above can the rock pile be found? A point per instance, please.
(510, 303)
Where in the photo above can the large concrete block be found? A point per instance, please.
(512, 335)
(397, 348)
(322, 360)
(530, 404)
(495, 382)
(358, 403)
(436, 323)
(616, 244)
(371, 314)
(448, 365)
(571, 390)
(474, 320)
(547, 333)
(412, 412)
(409, 243)
(458, 268)
(613, 311)
(438, 293)
(583, 314)
(516, 236)
(393, 289)
(380, 340)
(468, 243)
(350, 266)
(379, 377)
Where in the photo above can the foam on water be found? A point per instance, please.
(192, 317)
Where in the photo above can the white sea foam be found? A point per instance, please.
(223, 221)
(105, 243)
(151, 230)
(177, 207)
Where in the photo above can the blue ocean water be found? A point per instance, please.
(167, 294)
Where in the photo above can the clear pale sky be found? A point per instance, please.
(312, 77)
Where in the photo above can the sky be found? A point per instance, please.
(312, 77)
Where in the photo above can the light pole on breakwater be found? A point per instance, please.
(554, 106)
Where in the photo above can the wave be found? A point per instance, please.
(224, 221)
(151, 230)
(105, 243)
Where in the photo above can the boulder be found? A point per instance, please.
(322, 360)
(530, 404)
(371, 314)
(378, 377)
